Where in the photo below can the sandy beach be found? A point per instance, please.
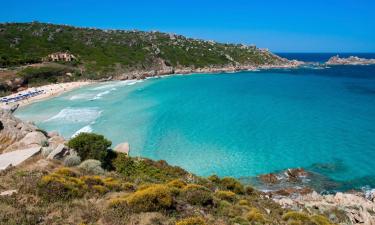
(49, 91)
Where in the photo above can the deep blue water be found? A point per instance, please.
(240, 124)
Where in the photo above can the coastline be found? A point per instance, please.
(49, 91)
(53, 90)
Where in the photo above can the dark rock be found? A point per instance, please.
(269, 178)
(295, 175)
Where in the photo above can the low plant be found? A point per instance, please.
(197, 195)
(72, 160)
(191, 221)
(232, 184)
(91, 166)
(61, 186)
(177, 183)
(297, 217)
(154, 198)
(226, 195)
(255, 216)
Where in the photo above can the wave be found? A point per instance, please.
(116, 84)
(85, 129)
(83, 115)
(101, 94)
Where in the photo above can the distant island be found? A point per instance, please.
(352, 60)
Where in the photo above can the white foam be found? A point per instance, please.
(116, 84)
(85, 129)
(74, 115)
(80, 96)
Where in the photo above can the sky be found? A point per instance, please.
(280, 25)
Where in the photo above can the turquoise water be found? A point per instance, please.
(240, 124)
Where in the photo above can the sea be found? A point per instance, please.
(317, 117)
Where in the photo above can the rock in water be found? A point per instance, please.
(123, 148)
(269, 178)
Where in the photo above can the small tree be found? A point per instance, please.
(90, 146)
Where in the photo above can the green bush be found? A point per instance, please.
(90, 146)
(124, 164)
(232, 184)
(197, 195)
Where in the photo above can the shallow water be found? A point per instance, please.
(240, 124)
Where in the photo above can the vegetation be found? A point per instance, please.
(136, 191)
(90, 146)
(102, 50)
(24, 50)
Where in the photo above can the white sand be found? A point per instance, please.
(50, 91)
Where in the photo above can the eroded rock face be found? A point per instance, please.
(13, 129)
(32, 139)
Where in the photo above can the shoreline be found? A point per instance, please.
(54, 90)
(49, 91)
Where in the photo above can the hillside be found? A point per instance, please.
(101, 50)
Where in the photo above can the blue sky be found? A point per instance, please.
(282, 26)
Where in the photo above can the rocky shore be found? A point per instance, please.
(298, 189)
(285, 188)
(162, 69)
(352, 60)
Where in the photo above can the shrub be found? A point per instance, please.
(191, 221)
(124, 164)
(91, 166)
(320, 220)
(177, 183)
(243, 202)
(197, 195)
(59, 186)
(214, 178)
(232, 184)
(249, 190)
(90, 146)
(72, 160)
(255, 216)
(154, 198)
(296, 216)
(226, 195)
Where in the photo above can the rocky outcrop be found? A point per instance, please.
(122, 148)
(32, 139)
(13, 129)
(352, 60)
(356, 207)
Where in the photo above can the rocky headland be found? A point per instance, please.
(352, 60)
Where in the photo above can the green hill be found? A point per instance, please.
(108, 51)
